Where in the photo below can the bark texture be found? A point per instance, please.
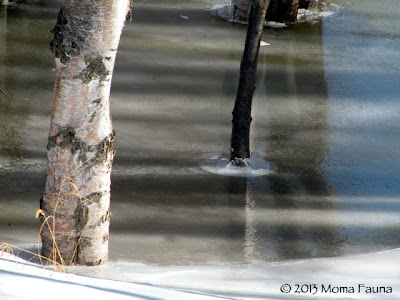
(304, 3)
(80, 146)
(282, 11)
(240, 138)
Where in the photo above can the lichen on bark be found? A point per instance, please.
(65, 44)
(71, 34)
(81, 214)
(67, 138)
(94, 66)
(94, 197)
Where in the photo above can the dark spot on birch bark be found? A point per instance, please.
(105, 238)
(94, 67)
(94, 114)
(97, 101)
(95, 197)
(81, 215)
(66, 139)
(66, 42)
(104, 148)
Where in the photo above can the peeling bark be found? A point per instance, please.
(80, 146)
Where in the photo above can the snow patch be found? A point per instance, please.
(314, 14)
(275, 25)
(20, 279)
(252, 167)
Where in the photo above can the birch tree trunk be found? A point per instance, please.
(240, 138)
(80, 146)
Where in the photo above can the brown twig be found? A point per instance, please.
(5, 94)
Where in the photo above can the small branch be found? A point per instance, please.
(5, 94)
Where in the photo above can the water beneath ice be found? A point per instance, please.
(325, 115)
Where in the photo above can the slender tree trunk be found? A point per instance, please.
(80, 147)
(240, 138)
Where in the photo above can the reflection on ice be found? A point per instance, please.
(250, 167)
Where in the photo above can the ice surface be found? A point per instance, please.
(263, 281)
(254, 166)
(22, 280)
(228, 281)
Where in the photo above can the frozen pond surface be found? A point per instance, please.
(325, 114)
(371, 276)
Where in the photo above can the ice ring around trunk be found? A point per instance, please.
(254, 166)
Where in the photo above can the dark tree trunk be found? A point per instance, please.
(283, 11)
(240, 139)
(304, 3)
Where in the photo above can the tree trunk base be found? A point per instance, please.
(308, 12)
(254, 166)
(239, 162)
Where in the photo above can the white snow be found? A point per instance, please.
(254, 166)
(22, 280)
(276, 25)
(351, 277)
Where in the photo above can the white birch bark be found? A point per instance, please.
(80, 148)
